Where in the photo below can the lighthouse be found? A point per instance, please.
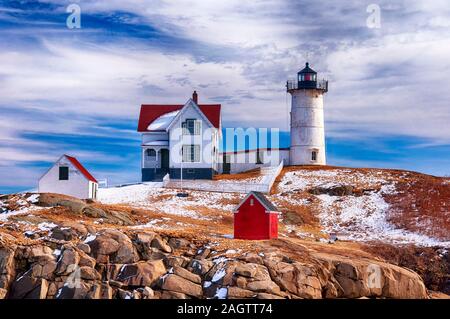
(307, 121)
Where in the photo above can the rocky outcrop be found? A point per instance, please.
(109, 263)
(89, 209)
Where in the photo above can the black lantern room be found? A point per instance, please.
(307, 78)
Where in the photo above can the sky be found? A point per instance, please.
(78, 91)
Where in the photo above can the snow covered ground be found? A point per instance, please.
(359, 218)
(356, 217)
(22, 205)
(153, 196)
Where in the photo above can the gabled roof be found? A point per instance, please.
(189, 103)
(81, 168)
(262, 199)
(151, 112)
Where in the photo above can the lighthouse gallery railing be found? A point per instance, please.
(320, 85)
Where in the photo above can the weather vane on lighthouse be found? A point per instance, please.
(307, 120)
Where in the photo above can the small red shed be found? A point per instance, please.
(255, 218)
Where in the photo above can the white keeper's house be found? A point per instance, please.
(68, 177)
(180, 137)
(185, 139)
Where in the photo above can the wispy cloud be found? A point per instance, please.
(60, 88)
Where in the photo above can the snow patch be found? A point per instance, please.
(90, 238)
(219, 275)
(221, 293)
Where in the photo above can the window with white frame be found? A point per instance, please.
(191, 153)
(151, 154)
(314, 155)
(191, 127)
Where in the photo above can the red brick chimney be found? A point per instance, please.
(195, 97)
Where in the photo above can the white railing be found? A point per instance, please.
(320, 85)
(228, 187)
(269, 180)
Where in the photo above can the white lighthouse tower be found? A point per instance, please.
(307, 122)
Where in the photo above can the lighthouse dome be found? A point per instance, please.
(307, 77)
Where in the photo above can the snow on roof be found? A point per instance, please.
(156, 143)
(151, 112)
(262, 199)
(162, 122)
(81, 168)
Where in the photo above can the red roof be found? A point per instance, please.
(81, 168)
(150, 112)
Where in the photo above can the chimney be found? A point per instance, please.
(195, 97)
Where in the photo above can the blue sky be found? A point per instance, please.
(79, 91)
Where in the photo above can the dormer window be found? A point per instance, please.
(191, 127)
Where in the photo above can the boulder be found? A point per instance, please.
(173, 295)
(147, 293)
(160, 244)
(79, 291)
(181, 261)
(84, 248)
(68, 261)
(177, 243)
(94, 212)
(39, 253)
(45, 270)
(252, 258)
(79, 228)
(88, 273)
(63, 233)
(3, 293)
(187, 274)
(178, 284)
(50, 200)
(252, 271)
(7, 267)
(95, 292)
(246, 270)
(106, 291)
(263, 295)
(239, 293)
(144, 273)
(108, 215)
(152, 253)
(200, 267)
(296, 278)
(223, 273)
(203, 253)
(113, 246)
(240, 282)
(364, 278)
(86, 260)
(402, 283)
(27, 287)
(264, 286)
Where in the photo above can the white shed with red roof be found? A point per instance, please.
(68, 177)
